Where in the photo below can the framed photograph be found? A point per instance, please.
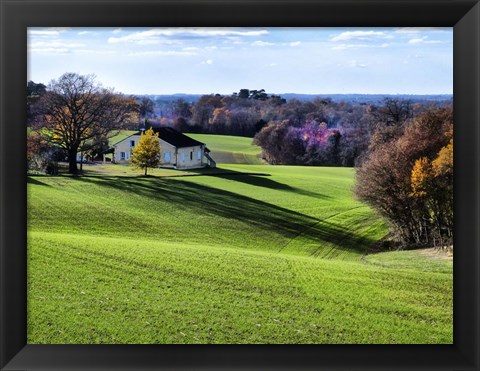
(239, 185)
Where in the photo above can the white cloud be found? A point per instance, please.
(43, 33)
(162, 53)
(117, 30)
(295, 43)
(190, 48)
(50, 50)
(272, 65)
(96, 52)
(261, 43)
(360, 35)
(354, 64)
(423, 40)
(209, 32)
(55, 44)
(416, 41)
(358, 46)
(84, 33)
(147, 42)
(416, 30)
(208, 61)
(53, 47)
(51, 31)
(60, 29)
(153, 36)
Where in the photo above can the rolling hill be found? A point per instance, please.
(238, 254)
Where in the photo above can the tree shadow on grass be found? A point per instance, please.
(32, 180)
(256, 179)
(204, 200)
(340, 240)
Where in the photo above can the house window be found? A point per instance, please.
(167, 156)
(183, 156)
(199, 155)
(122, 156)
(191, 156)
(132, 143)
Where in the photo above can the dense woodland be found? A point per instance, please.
(402, 149)
(318, 132)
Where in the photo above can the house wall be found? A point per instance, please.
(125, 147)
(193, 157)
(169, 155)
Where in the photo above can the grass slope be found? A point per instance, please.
(230, 149)
(298, 210)
(121, 135)
(240, 254)
(121, 290)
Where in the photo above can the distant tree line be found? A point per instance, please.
(318, 132)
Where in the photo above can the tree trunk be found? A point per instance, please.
(145, 171)
(72, 161)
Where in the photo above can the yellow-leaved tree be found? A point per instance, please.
(432, 187)
(421, 177)
(147, 152)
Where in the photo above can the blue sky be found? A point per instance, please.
(224, 60)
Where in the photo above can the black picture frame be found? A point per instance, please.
(16, 16)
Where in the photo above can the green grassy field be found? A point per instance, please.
(230, 149)
(121, 135)
(238, 254)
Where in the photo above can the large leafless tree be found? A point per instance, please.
(75, 109)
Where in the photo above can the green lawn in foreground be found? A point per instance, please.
(240, 254)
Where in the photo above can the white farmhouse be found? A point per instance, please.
(177, 150)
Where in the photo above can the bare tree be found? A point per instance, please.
(146, 109)
(394, 111)
(76, 109)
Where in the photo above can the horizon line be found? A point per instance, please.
(280, 94)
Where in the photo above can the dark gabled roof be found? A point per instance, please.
(175, 138)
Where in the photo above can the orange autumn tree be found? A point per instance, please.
(442, 168)
(432, 188)
(421, 177)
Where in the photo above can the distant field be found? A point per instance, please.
(121, 136)
(238, 254)
(230, 149)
